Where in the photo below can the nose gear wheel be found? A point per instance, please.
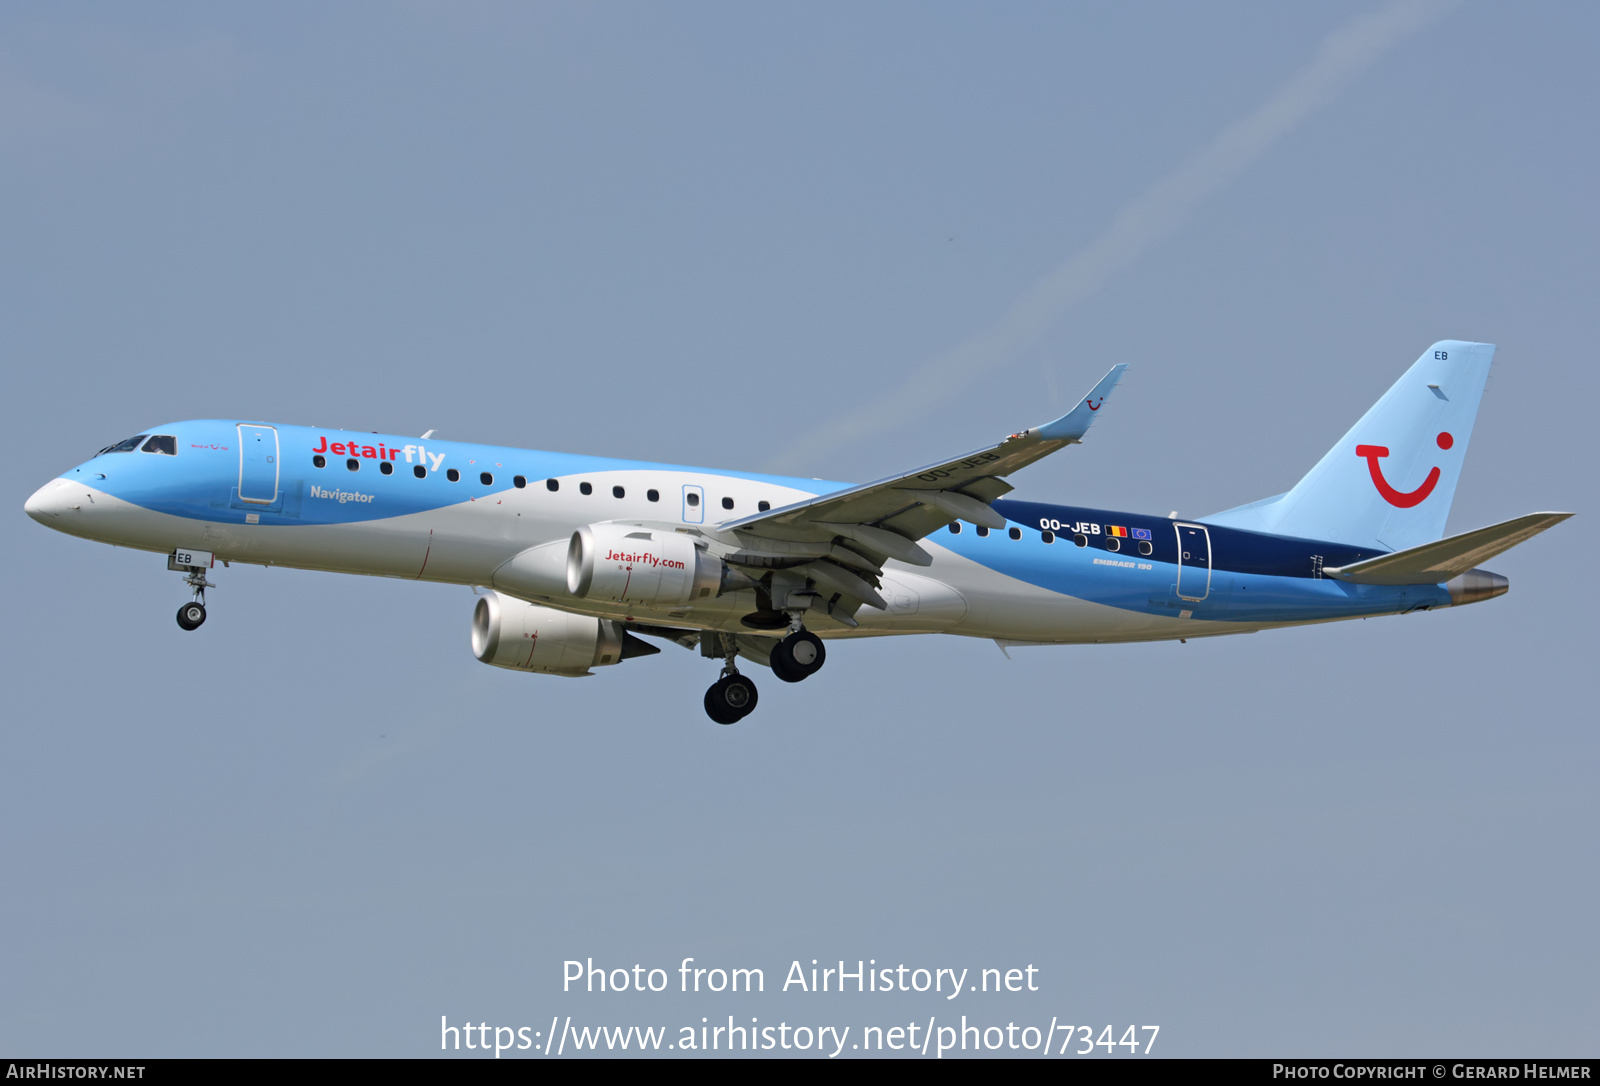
(191, 615)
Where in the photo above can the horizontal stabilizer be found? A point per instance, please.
(1435, 563)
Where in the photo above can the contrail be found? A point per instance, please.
(1146, 220)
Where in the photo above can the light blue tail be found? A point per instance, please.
(1389, 482)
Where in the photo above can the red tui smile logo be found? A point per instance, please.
(1399, 499)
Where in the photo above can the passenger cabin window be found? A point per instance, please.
(420, 472)
(353, 464)
(552, 485)
(1113, 543)
(386, 468)
(955, 528)
(617, 492)
(982, 530)
(165, 444)
(763, 506)
(692, 498)
(486, 479)
(1015, 533)
(1081, 540)
(652, 495)
(585, 488)
(319, 461)
(123, 446)
(1144, 547)
(1048, 536)
(453, 475)
(519, 481)
(727, 503)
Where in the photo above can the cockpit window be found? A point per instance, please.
(165, 444)
(123, 446)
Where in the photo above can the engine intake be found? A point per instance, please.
(509, 633)
(622, 564)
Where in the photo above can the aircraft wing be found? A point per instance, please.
(862, 526)
(1437, 562)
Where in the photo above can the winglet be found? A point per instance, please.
(1075, 423)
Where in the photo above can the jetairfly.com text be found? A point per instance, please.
(642, 558)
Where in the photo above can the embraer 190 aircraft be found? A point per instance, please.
(580, 555)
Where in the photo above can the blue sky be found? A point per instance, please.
(796, 237)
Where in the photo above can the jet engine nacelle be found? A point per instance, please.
(507, 632)
(623, 564)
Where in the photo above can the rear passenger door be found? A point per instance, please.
(1194, 562)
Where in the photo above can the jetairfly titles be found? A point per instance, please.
(380, 451)
(581, 558)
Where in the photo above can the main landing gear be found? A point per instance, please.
(733, 697)
(193, 614)
(798, 656)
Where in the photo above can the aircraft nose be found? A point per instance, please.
(51, 502)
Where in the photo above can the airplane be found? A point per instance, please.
(578, 559)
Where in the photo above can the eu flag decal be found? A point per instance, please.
(1141, 533)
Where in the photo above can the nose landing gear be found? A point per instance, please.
(193, 614)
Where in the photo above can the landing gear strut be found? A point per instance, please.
(732, 697)
(191, 615)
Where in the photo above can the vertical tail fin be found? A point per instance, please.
(1388, 482)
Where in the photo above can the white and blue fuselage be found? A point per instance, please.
(582, 553)
(433, 510)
